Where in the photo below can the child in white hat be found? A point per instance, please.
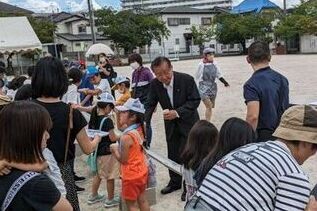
(134, 170)
(107, 165)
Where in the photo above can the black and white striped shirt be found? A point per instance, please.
(261, 176)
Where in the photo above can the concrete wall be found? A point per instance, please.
(308, 44)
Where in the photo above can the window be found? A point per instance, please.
(177, 41)
(231, 46)
(172, 21)
(178, 21)
(77, 44)
(212, 46)
(184, 21)
(205, 21)
(82, 29)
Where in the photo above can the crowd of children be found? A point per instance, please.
(49, 116)
(55, 91)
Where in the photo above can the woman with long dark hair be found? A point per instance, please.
(233, 134)
(49, 84)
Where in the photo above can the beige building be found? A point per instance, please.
(74, 32)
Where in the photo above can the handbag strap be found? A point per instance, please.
(69, 127)
(102, 122)
(16, 186)
(100, 127)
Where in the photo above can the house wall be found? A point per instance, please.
(177, 32)
(308, 44)
(62, 28)
(76, 24)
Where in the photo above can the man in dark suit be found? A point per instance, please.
(179, 98)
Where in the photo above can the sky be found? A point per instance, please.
(78, 5)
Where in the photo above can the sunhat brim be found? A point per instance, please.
(122, 108)
(296, 135)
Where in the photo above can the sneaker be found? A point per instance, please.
(117, 198)
(112, 203)
(79, 179)
(79, 189)
(95, 199)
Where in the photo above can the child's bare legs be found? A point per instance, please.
(208, 104)
(132, 205)
(143, 202)
(95, 185)
(110, 188)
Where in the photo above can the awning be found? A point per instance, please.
(250, 6)
(17, 35)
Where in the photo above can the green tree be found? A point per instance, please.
(236, 28)
(303, 20)
(202, 34)
(129, 30)
(44, 29)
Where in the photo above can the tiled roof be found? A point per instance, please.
(79, 37)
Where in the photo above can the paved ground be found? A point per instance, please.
(299, 69)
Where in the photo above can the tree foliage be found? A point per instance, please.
(202, 34)
(44, 29)
(236, 28)
(129, 30)
(303, 20)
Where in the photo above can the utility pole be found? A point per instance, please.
(284, 7)
(92, 21)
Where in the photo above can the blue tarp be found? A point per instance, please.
(253, 6)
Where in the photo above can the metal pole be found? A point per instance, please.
(284, 6)
(55, 48)
(92, 21)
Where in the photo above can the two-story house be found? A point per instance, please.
(73, 33)
(179, 21)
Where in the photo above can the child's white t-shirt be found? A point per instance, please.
(72, 95)
(53, 171)
(104, 86)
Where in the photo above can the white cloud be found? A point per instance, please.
(5, 1)
(42, 6)
(74, 6)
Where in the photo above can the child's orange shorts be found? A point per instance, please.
(132, 189)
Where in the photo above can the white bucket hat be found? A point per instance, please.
(118, 80)
(132, 105)
(106, 98)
